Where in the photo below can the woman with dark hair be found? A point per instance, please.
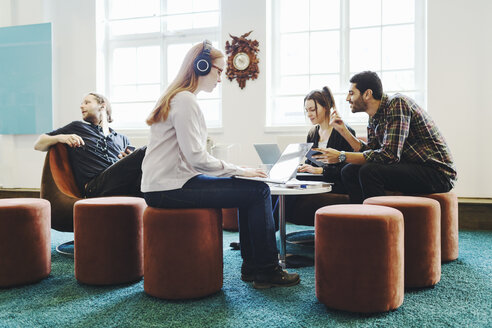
(321, 110)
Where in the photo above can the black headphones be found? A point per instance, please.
(203, 64)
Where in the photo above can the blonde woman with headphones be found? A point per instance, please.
(179, 173)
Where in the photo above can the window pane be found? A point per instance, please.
(131, 115)
(331, 81)
(150, 92)
(324, 14)
(288, 111)
(205, 5)
(124, 93)
(179, 22)
(135, 26)
(131, 93)
(293, 85)
(211, 110)
(175, 55)
(124, 66)
(365, 49)
(119, 9)
(294, 54)
(382, 36)
(325, 52)
(398, 80)
(398, 11)
(365, 13)
(149, 64)
(139, 65)
(205, 20)
(179, 6)
(398, 47)
(294, 16)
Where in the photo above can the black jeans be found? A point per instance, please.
(256, 225)
(123, 178)
(371, 179)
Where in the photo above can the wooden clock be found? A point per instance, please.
(242, 62)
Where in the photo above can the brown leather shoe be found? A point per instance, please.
(275, 278)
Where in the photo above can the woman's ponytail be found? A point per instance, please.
(330, 100)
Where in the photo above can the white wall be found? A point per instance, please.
(459, 87)
(74, 67)
(459, 50)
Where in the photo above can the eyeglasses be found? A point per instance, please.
(218, 69)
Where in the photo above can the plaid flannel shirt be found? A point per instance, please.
(401, 131)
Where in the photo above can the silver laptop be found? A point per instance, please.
(269, 153)
(286, 166)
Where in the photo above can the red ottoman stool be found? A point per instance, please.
(359, 257)
(108, 241)
(422, 217)
(229, 219)
(25, 241)
(182, 252)
(449, 224)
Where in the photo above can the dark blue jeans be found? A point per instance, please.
(372, 179)
(256, 225)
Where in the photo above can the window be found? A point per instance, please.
(320, 43)
(140, 49)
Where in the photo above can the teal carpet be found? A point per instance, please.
(463, 298)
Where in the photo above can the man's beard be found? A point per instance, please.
(358, 106)
(92, 119)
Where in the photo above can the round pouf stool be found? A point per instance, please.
(449, 224)
(359, 257)
(182, 252)
(230, 219)
(108, 240)
(25, 245)
(422, 218)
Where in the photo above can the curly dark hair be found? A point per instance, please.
(368, 80)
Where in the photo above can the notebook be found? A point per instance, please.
(269, 153)
(286, 166)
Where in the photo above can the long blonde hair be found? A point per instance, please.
(186, 80)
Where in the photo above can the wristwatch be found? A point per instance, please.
(342, 157)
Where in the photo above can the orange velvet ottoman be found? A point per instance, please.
(25, 241)
(182, 252)
(230, 219)
(422, 217)
(449, 224)
(359, 257)
(108, 241)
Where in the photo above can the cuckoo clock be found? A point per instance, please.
(242, 61)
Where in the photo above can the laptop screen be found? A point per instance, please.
(269, 153)
(286, 166)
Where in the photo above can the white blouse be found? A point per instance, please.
(177, 149)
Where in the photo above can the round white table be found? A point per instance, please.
(281, 192)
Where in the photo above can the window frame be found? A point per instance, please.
(419, 69)
(106, 45)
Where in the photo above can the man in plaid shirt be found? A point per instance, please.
(405, 151)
